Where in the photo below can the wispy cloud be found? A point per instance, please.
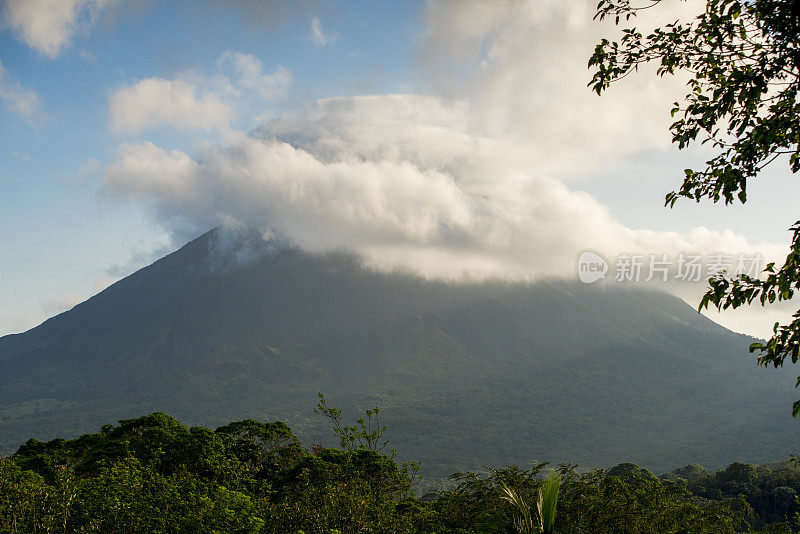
(319, 37)
(23, 156)
(248, 72)
(19, 99)
(54, 306)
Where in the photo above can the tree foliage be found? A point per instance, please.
(743, 62)
(625, 499)
(365, 434)
(154, 475)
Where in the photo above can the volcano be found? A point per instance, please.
(466, 374)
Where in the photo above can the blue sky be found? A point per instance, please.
(422, 135)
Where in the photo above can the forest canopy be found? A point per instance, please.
(153, 474)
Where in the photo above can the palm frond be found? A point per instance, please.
(548, 499)
(523, 522)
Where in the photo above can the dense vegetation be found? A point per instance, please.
(153, 474)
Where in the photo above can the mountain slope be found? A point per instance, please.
(467, 374)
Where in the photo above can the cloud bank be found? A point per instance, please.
(394, 179)
(464, 182)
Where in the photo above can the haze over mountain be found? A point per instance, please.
(467, 374)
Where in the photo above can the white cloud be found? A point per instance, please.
(158, 102)
(18, 99)
(23, 156)
(193, 101)
(318, 36)
(248, 72)
(526, 70)
(394, 179)
(54, 306)
(48, 26)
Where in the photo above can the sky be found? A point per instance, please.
(453, 139)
